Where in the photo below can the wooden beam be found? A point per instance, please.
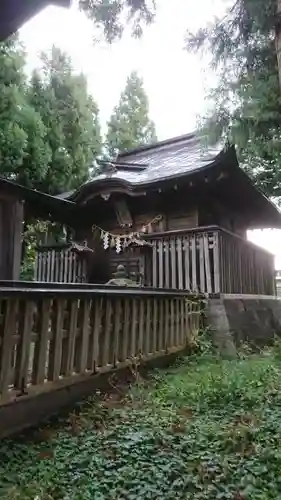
(11, 221)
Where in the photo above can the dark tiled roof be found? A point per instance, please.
(181, 157)
(170, 158)
(166, 159)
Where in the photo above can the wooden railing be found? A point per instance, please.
(278, 282)
(59, 264)
(52, 337)
(185, 260)
(210, 260)
(204, 259)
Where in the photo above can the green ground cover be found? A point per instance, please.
(204, 429)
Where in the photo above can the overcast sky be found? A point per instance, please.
(175, 81)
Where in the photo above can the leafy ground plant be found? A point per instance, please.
(201, 430)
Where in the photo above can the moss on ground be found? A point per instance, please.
(205, 429)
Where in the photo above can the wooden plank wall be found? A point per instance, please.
(182, 220)
(186, 262)
(59, 266)
(53, 336)
(245, 267)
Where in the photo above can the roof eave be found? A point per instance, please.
(15, 13)
(270, 214)
(110, 184)
(39, 203)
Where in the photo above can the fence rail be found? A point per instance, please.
(211, 260)
(51, 337)
(60, 265)
(204, 259)
(186, 260)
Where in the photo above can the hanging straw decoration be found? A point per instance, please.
(121, 241)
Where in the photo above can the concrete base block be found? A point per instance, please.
(217, 321)
(236, 319)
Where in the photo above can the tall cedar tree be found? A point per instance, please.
(246, 104)
(23, 154)
(130, 125)
(70, 116)
(111, 16)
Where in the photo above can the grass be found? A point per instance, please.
(205, 429)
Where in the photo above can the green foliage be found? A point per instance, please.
(245, 105)
(31, 237)
(28, 265)
(22, 133)
(70, 116)
(49, 127)
(200, 431)
(111, 16)
(130, 126)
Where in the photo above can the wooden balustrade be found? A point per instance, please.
(186, 260)
(204, 259)
(51, 337)
(59, 265)
(210, 260)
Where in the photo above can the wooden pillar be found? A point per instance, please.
(11, 219)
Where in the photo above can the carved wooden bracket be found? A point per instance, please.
(123, 213)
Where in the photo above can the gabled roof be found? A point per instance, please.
(14, 13)
(168, 164)
(186, 160)
(172, 156)
(166, 160)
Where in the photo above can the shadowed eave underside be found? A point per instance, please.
(14, 13)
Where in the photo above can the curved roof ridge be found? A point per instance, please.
(170, 159)
(158, 144)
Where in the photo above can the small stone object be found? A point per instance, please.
(120, 278)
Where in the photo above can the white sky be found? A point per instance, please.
(175, 81)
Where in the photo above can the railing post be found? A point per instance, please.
(217, 262)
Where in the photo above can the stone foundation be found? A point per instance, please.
(235, 319)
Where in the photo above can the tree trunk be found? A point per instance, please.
(278, 39)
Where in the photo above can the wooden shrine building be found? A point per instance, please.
(174, 213)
